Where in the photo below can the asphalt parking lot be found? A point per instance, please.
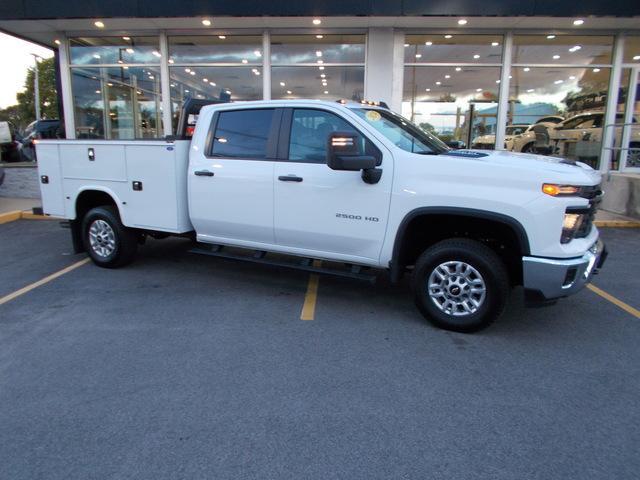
(184, 366)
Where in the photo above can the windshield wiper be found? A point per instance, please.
(426, 152)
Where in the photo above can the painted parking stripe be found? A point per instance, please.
(43, 281)
(311, 297)
(619, 303)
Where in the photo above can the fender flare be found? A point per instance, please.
(396, 268)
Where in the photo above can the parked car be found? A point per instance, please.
(487, 142)
(525, 141)
(580, 137)
(9, 143)
(352, 184)
(40, 129)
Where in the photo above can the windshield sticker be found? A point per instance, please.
(373, 116)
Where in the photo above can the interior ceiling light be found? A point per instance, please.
(126, 38)
(206, 22)
(476, 56)
(257, 53)
(98, 24)
(556, 57)
(448, 36)
(418, 55)
(289, 92)
(572, 77)
(322, 36)
(478, 89)
(447, 76)
(550, 37)
(438, 83)
(427, 89)
(596, 70)
(462, 21)
(326, 92)
(575, 48)
(318, 53)
(222, 37)
(637, 57)
(558, 82)
(526, 69)
(244, 60)
(192, 72)
(316, 21)
(578, 22)
(530, 90)
(458, 69)
(321, 67)
(428, 44)
(495, 44)
(57, 42)
(171, 60)
(130, 50)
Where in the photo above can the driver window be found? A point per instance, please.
(310, 131)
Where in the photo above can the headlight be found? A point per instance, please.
(571, 224)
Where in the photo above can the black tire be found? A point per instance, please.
(486, 266)
(528, 148)
(124, 242)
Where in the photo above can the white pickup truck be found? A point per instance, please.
(353, 185)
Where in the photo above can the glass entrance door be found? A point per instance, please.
(630, 141)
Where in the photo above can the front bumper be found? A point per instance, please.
(550, 278)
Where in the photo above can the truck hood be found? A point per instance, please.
(540, 164)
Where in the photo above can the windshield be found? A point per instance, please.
(516, 129)
(402, 132)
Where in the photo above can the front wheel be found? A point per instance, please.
(460, 285)
(109, 243)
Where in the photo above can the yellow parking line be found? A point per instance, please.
(627, 308)
(310, 298)
(41, 282)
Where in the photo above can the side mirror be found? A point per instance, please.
(343, 154)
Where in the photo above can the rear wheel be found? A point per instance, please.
(528, 148)
(109, 243)
(460, 285)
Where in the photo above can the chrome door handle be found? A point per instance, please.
(204, 173)
(289, 178)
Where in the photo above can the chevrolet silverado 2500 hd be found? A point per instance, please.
(347, 183)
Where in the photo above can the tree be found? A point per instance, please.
(48, 93)
(427, 127)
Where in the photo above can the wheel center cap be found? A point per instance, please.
(455, 290)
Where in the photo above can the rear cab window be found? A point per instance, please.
(243, 134)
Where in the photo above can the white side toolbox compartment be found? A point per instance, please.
(50, 178)
(146, 179)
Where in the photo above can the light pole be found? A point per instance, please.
(36, 86)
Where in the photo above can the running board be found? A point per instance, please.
(305, 264)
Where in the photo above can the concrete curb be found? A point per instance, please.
(23, 215)
(617, 224)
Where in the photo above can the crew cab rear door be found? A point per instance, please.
(318, 209)
(231, 176)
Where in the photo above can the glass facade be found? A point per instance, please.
(451, 86)
(117, 102)
(558, 85)
(327, 67)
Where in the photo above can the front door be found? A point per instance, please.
(231, 178)
(332, 213)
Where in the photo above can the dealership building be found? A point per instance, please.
(475, 73)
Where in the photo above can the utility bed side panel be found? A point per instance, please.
(160, 204)
(157, 201)
(50, 177)
(94, 162)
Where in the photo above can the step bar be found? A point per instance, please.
(355, 272)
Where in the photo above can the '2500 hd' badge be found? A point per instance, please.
(357, 217)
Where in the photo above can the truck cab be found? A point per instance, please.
(342, 182)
